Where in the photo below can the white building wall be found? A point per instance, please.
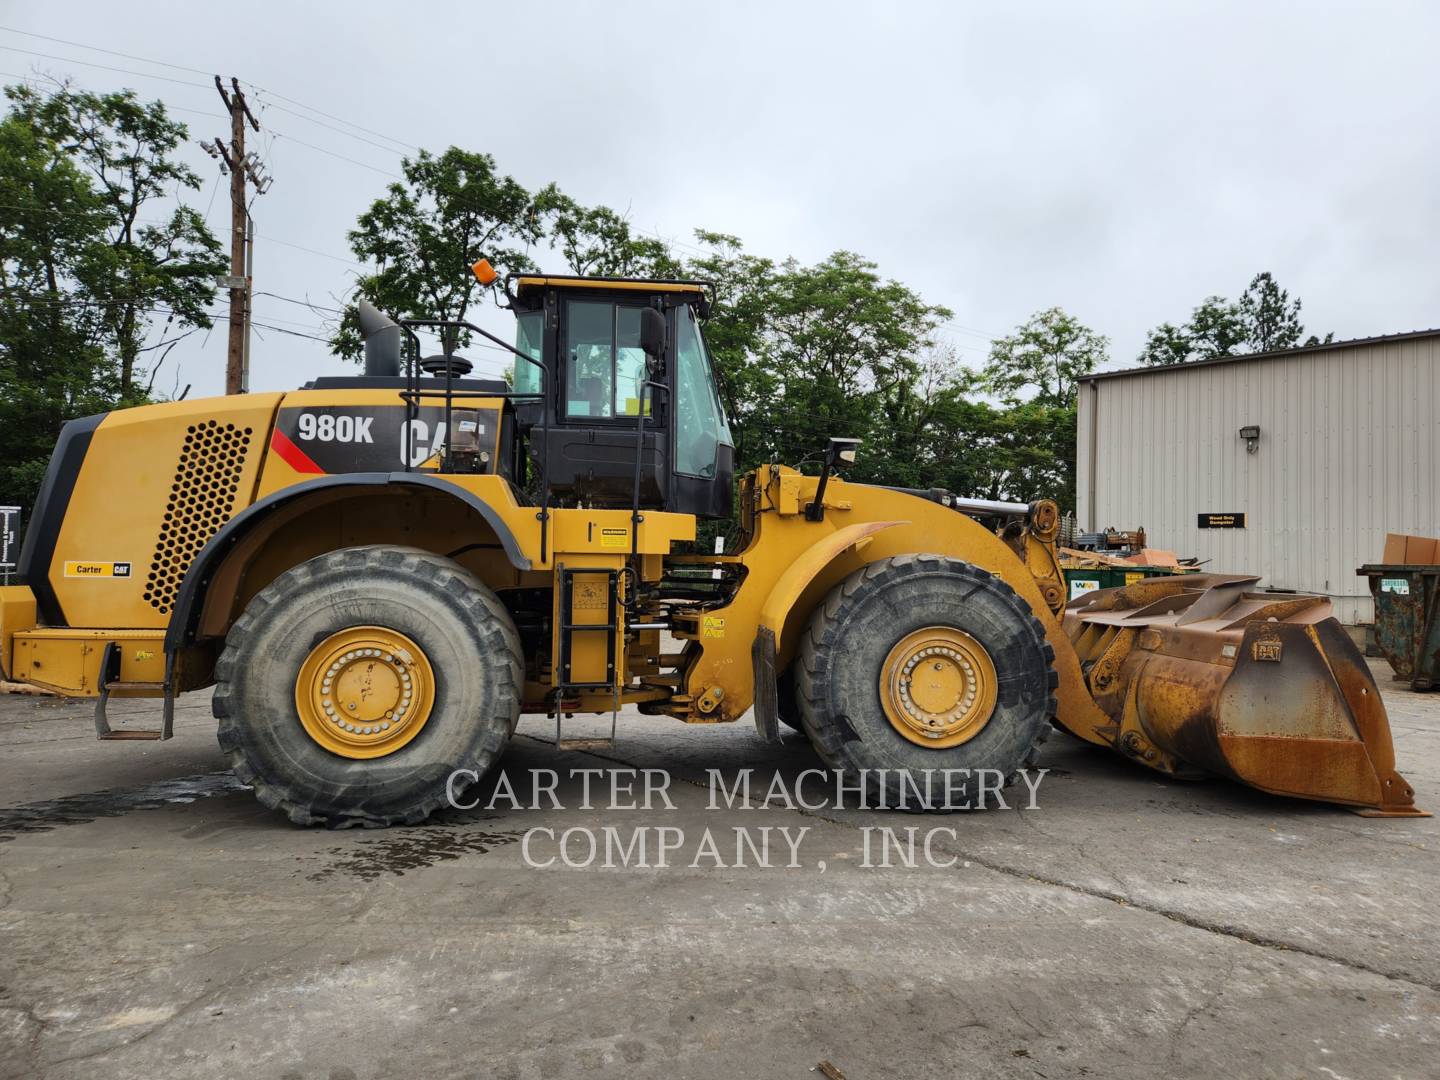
(1349, 450)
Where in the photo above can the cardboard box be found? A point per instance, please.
(1420, 550)
(1403, 550)
(1153, 557)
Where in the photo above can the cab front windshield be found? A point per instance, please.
(700, 426)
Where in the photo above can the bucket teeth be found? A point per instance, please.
(1209, 672)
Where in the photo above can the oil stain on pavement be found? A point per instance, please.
(84, 808)
(399, 851)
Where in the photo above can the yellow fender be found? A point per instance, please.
(815, 558)
(786, 591)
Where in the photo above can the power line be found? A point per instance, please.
(302, 303)
(329, 127)
(162, 221)
(312, 251)
(197, 71)
(292, 322)
(338, 119)
(104, 67)
(292, 333)
(111, 52)
(332, 153)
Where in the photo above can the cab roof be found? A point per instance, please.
(527, 282)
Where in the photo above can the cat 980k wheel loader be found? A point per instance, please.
(380, 573)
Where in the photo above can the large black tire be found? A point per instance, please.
(787, 700)
(467, 636)
(838, 672)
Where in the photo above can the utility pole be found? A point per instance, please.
(241, 167)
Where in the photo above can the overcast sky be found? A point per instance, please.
(1122, 161)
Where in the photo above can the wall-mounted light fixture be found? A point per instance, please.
(1251, 434)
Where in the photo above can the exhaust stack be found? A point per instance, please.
(382, 340)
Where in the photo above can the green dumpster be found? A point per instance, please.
(1080, 581)
(1406, 628)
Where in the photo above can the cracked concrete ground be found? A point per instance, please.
(156, 921)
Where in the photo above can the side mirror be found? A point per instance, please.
(841, 453)
(652, 337)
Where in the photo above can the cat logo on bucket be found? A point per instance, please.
(1265, 650)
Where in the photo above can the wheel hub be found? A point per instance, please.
(938, 687)
(365, 692)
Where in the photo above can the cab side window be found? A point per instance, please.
(604, 362)
(590, 358)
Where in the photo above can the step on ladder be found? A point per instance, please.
(568, 629)
(110, 681)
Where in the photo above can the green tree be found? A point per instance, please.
(81, 275)
(1046, 355)
(1264, 319)
(1271, 318)
(1217, 328)
(743, 302)
(596, 241)
(1036, 371)
(1166, 344)
(168, 266)
(840, 339)
(449, 210)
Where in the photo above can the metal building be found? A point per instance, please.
(1292, 465)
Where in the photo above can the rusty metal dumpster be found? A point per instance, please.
(1407, 628)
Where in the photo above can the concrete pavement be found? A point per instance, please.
(155, 920)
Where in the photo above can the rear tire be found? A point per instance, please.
(787, 700)
(466, 636)
(842, 660)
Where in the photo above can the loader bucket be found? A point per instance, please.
(1207, 673)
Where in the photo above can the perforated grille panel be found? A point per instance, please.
(207, 482)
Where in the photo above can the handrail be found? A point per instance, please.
(647, 385)
(547, 388)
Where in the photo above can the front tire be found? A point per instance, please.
(355, 684)
(922, 662)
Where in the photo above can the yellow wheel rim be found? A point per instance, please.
(365, 692)
(938, 687)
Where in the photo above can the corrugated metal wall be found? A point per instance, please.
(1349, 450)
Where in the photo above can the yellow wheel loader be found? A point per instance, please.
(380, 573)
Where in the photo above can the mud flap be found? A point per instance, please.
(767, 695)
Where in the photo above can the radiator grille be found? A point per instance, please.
(207, 483)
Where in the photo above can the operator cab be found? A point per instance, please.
(611, 362)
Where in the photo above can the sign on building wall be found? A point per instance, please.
(1222, 521)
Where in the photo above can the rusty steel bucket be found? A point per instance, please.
(1206, 673)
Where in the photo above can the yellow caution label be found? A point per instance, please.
(712, 626)
(1134, 579)
(78, 568)
(615, 538)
